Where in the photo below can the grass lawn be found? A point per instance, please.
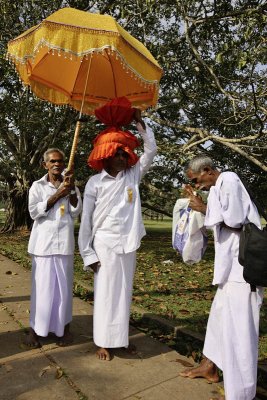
(163, 284)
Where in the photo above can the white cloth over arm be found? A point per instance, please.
(193, 235)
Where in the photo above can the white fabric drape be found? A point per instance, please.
(113, 285)
(232, 338)
(51, 296)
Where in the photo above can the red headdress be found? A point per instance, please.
(114, 114)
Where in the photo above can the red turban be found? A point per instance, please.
(114, 114)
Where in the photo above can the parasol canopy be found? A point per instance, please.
(84, 60)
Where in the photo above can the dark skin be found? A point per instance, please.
(55, 166)
(114, 165)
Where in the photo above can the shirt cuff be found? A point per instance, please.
(41, 208)
(88, 260)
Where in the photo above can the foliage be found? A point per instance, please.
(212, 97)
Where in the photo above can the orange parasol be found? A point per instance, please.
(84, 60)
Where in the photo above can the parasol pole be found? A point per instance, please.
(78, 123)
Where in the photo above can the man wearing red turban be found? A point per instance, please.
(111, 226)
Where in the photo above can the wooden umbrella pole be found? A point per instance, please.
(74, 145)
(79, 123)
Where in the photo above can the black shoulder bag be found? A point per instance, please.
(253, 249)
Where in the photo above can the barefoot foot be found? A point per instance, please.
(207, 369)
(66, 339)
(103, 354)
(32, 340)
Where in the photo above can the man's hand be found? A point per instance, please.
(137, 117)
(197, 204)
(188, 190)
(95, 266)
(69, 180)
(64, 190)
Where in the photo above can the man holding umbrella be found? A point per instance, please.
(54, 202)
(111, 226)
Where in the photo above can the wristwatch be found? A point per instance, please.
(72, 192)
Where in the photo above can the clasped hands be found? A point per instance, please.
(196, 202)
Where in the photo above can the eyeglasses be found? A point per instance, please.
(60, 161)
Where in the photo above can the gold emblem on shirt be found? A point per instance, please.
(130, 195)
(62, 209)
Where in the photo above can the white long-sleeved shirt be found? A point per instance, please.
(228, 202)
(53, 230)
(112, 206)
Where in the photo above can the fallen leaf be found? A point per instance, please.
(59, 373)
(44, 371)
(138, 299)
(221, 390)
(184, 312)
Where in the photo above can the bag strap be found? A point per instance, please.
(251, 195)
(254, 199)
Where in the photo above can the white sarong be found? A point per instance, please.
(51, 296)
(113, 285)
(231, 340)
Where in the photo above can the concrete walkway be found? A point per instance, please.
(73, 372)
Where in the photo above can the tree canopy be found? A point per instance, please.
(212, 94)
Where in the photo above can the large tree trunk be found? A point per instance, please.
(17, 215)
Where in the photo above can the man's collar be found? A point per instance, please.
(44, 180)
(104, 174)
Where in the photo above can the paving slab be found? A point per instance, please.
(33, 377)
(74, 372)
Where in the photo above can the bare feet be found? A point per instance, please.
(103, 354)
(32, 340)
(67, 338)
(207, 369)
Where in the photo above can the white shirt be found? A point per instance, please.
(228, 202)
(53, 230)
(112, 206)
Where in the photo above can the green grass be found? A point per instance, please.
(163, 284)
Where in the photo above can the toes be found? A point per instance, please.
(103, 355)
(185, 373)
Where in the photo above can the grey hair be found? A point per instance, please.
(198, 163)
(52, 150)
